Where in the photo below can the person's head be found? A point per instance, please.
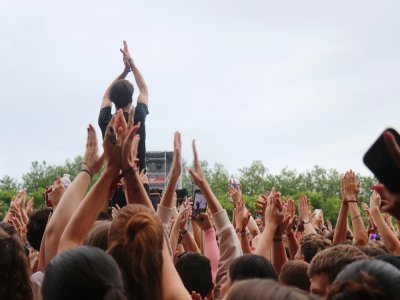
(391, 259)
(136, 242)
(98, 235)
(247, 267)
(82, 273)
(260, 289)
(36, 226)
(372, 251)
(294, 273)
(325, 266)
(311, 244)
(120, 93)
(366, 279)
(195, 272)
(14, 269)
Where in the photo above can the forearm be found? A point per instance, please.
(87, 212)
(360, 234)
(278, 253)
(168, 193)
(59, 220)
(138, 78)
(390, 240)
(135, 192)
(212, 201)
(293, 245)
(197, 235)
(189, 243)
(341, 225)
(309, 229)
(252, 226)
(244, 242)
(211, 250)
(264, 246)
(174, 236)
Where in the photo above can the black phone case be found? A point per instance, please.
(379, 160)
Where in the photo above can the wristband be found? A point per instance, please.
(355, 217)
(87, 171)
(352, 201)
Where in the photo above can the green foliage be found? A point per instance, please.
(322, 186)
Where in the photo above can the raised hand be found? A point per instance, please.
(130, 143)
(203, 220)
(304, 209)
(196, 172)
(390, 201)
(290, 217)
(273, 211)
(112, 145)
(261, 205)
(114, 211)
(92, 161)
(235, 194)
(242, 216)
(350, 187)
(375, 201)
(126, 55)
(176, 167)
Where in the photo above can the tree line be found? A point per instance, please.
(321, 185)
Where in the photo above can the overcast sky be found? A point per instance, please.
(292, 83)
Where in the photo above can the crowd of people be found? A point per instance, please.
(80, 249)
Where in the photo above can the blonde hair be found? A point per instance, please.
(136, 242)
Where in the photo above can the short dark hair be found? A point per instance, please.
(251, 266)
(366, 279)
(121, 93)
(195, 272)
(294, 273)
(311, 244)
(36, 226)
(83, 273)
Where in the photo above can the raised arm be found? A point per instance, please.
(270, 209)
(143, 91)
(134, 189)
(242, 216)
(70, 199)
(229, 243)
(341, 223)
(351, 188)
(94, 202)
(390, 240)
(305, 215)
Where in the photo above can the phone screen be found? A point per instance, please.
(381, 163)
(199, 204)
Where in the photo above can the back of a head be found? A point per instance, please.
(82, 273)
(294, 273)
(136, 242)
(14, 270)
(372, 251)
(391, 259)
(260, 289)
(331, 261)
(36, 226)
(366, 279)
(98, 235)
(195, 272)
(311, 244)
(251, 266)
(121, 93)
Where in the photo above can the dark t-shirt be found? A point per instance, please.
(141, 111)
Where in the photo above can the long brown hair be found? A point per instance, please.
(14, 269)
(136, 242)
